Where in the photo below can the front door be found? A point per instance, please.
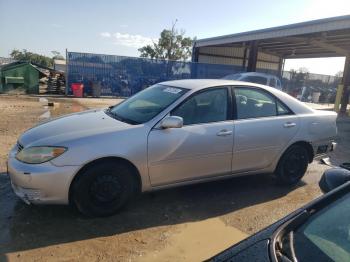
(263, 128)
(201, 148)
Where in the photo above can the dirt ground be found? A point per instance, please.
(182, 224)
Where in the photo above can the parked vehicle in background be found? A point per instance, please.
(170, 134)
(258, 78)
(318, 231)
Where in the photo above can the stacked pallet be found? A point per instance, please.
(55, 84)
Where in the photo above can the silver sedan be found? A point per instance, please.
(170, 134)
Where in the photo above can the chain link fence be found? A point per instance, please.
(310, 87)
(124, 76)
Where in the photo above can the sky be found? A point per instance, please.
(121, 27)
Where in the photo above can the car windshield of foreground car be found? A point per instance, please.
(325, 236)
(146, 104)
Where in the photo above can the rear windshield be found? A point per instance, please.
(254, 79)
(233, 77)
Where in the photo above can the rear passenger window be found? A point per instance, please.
(254, 103)
(282, 109)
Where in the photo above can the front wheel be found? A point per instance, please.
(292, 165)
(103, 189)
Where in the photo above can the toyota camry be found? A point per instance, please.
(170, 134)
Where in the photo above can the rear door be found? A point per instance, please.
(263, 127)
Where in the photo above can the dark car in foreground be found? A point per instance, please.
(319, 231)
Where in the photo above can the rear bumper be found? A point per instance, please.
(321, 149)
(41, 183)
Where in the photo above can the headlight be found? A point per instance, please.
(39, 154)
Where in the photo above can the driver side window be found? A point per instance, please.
(205, 107)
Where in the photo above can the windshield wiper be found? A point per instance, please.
(285, 248)
(109, 112)
(283, 239)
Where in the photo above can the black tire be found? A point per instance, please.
(102, 189)
(292, 165)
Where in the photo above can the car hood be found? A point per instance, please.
(68, 127)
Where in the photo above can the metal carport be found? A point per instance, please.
(268, 48)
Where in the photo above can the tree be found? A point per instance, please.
(303, 70)
(24, 55)
(57, 55)
(172, 45)
(339, 74)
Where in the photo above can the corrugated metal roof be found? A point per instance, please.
(328, 37)
(309, 27)
(19, 64)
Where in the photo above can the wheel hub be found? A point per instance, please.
(105, 189)
(294, 165)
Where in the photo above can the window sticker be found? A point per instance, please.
(172, 90)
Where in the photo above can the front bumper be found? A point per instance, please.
(40, 183)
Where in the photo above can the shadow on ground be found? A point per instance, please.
(25, 227)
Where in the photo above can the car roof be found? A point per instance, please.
(197, 84)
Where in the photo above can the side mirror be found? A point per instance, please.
(172, 122)
(333, 178)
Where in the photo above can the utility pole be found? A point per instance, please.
(171, 40)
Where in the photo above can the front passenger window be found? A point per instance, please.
(205, 107)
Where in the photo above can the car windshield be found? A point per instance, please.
(326, 234)
(146, 104)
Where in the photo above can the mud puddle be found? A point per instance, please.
(197, 241)
(54, 108)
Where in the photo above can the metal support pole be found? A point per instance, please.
(253, 56)
(283, 64)
(195, 51)
(346, 84)
(244, 58)
(280, 66)
(194, 68)
(67, 87)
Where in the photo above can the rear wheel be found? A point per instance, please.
(292, 165)
(103, 189)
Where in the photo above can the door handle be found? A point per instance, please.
(224, 132)
(289, 124)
